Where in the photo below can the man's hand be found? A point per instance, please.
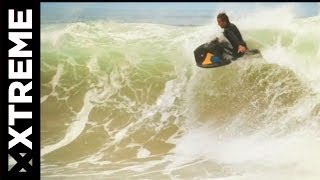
(241, 49)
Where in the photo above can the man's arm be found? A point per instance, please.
(237, 42)
(234, 40)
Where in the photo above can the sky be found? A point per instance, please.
(141, 11)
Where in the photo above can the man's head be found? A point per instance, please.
(223, 20)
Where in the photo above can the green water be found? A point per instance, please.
(127, 101)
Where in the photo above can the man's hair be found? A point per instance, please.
(223, 16)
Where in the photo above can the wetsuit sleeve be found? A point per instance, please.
(234, 40)
(238, 35)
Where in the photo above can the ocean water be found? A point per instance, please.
(122, 97)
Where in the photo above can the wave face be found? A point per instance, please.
(126, 100)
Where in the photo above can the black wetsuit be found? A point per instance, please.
(232, 33)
